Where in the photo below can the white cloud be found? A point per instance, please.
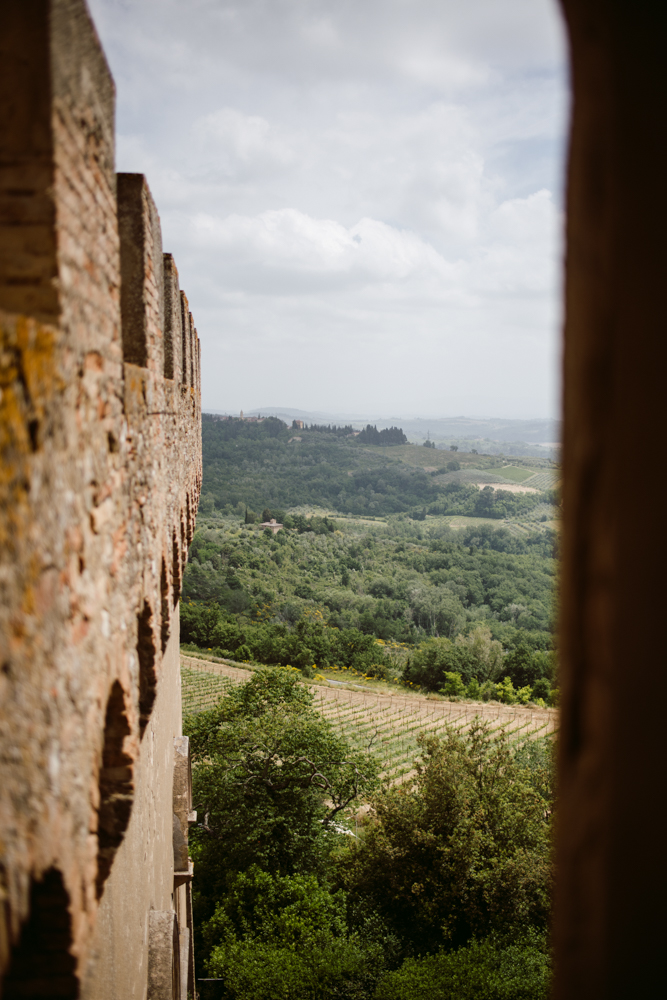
(289, 239)
(239, 144)
(362, 198)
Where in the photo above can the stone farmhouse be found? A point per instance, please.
(100, 473)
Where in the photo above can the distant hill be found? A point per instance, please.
(466, 432)
(268, 465)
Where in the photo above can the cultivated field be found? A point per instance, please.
(545, 479)
(513, 473)
(389, 723)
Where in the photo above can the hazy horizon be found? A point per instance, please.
(539, 433)
(363, 200)
(373, 415)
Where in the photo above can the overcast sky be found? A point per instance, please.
(363, 197)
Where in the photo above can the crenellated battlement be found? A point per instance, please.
(100, 436)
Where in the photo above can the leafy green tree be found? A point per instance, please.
(526, 666)
(438, 610)
(475, 656)
(542, 689)
(388, 436)
(487, 651)
(286, 936)
(400, 587)
(199, 624)
(474, 690)
(505, 692)
(270, 777)
(207, 503)
(462, 852)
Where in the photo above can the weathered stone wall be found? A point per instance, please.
(141, 879)
(99, 483)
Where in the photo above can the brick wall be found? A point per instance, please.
(99, 481)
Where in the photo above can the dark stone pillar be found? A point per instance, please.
(612, 865)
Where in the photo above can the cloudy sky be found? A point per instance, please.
(363, 197)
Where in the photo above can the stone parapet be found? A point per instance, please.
(100, 441)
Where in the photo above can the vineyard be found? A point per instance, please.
(389, 724)
(546, 479)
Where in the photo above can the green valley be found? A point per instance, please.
(374, 768)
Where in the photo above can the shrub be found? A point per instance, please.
(276, 937)
(541, 689)
(505, 691)
(462, 851)
(482, 970)
(453, 686)
(488, 691)
(243, 653)
(476, 655)
(526, 666)
(474, 691)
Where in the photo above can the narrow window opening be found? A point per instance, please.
(147, 672)
(176, 567)
(116, 786)
(41, 965)
(188, 512)
(165, 623)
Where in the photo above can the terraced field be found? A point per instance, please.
(390, 724)
(546, 479)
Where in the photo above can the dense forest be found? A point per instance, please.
(317, 595)
(403, 566)
(266, 464)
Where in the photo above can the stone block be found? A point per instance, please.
(182, 802)
(164, 953)
(173, 324)
(142, 278)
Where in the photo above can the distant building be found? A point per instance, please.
(297, 425)
(272, 524)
